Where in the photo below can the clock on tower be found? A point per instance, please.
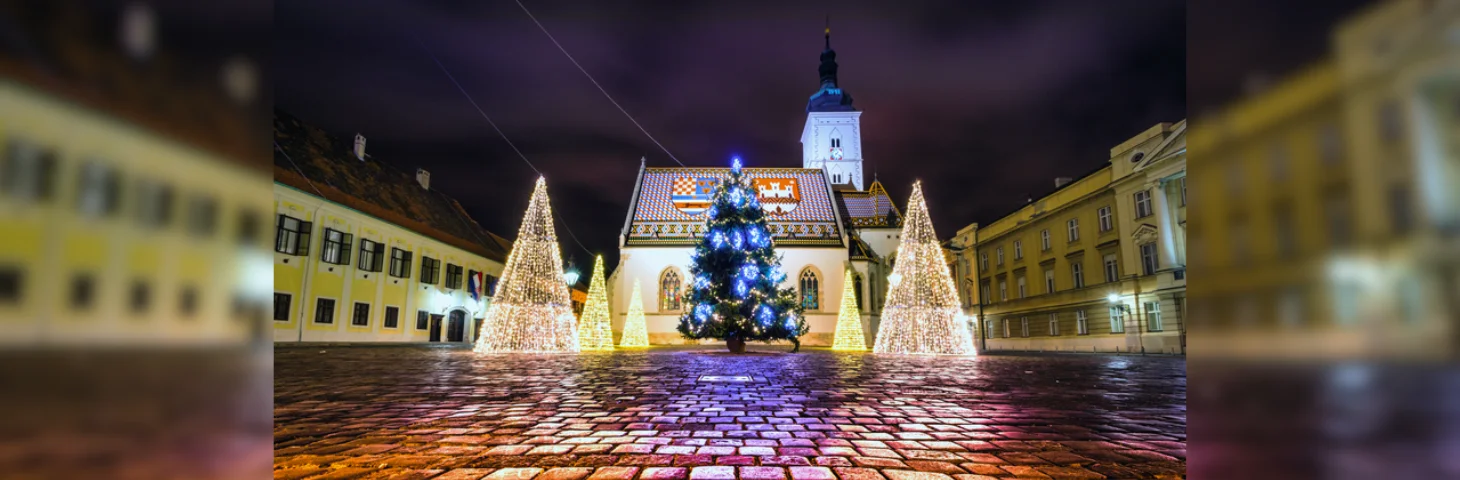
(836, 153)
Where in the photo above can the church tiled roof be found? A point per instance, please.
(872, 208)
(330, 168)
(668, 205)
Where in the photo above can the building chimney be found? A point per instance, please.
(1062, 181)
(423, 177)
(360, 147)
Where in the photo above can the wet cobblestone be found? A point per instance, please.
(676, 414)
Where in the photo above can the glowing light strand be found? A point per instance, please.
(531, 312)
(594, 330)
(921, 314)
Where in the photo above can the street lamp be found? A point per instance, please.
(1113, 297)
(571, 277)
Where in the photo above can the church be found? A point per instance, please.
(825, 223)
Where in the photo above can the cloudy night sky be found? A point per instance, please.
(986, 104)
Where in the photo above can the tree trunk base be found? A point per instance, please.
(736, 345)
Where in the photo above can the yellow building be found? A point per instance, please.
(116, 223)
(366, 253)
(1328, 201)
(1096, 266)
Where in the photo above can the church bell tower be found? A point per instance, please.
(832, 138)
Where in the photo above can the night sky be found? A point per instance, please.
(986, 104)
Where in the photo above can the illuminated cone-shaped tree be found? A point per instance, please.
(594, 331)
(531, 312)
(636, 331)
(849, 320)
(735, 275)
(921, 314)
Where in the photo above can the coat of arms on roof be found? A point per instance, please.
(778, 196)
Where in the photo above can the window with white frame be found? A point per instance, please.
(1054, 325)
(988, 329)
(372, 255)
(1153, 316)
(1018, 249)
(984, 296)
(1112, 269)
(291, 236)
(1107, 221)
(336, 247)
(361, 318)
(1003, 290)
(1006, 328)
(1082, 323)
(1024, 326)
(1148, 258)
(1074, 229)
(1117, 319)
(1044, 240)
(1077, 273)
(1022, 290)
(1143, 203)
(1049, 280)
(983, 260)
(999, 256)
(100, 190)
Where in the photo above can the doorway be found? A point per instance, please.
(456, 326)
(435, 327)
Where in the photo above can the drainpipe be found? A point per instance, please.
(983, 339)
(304, 292)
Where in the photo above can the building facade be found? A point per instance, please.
(824, 225)
(1096, 266)
(1328, 210)
(118, 229)
(366, 253)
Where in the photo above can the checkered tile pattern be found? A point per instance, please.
(656, 218)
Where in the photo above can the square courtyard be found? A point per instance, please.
(443, 412)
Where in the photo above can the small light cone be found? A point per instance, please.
(849, 320)
(594, 330)
(636, 329)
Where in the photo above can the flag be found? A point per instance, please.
(473, 285)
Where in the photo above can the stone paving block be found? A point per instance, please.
(934, 466)
(723, 472)
(878, 462)
(784, 460)
(857, 473)
(514, 474)
(464, 474)
(614, 473)
(1024, 471)
(894, 474)
(664, 473)
(735, 460)
(811, 473)
(762, 473)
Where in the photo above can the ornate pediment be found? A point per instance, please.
(1145, 233)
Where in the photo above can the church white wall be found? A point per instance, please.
(884, 241)
(645, 264)
(816, 143)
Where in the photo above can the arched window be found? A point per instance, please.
(810, 290)
(857, 288)
(669, 291)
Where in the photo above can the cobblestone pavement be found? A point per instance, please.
(677, 414)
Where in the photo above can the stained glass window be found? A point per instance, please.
(669, 291)
(809, 288)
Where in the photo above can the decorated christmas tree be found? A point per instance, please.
(636, 331)
(735, 275)
(921, 315)
(849, 320)
(531, 312)
(594, 331)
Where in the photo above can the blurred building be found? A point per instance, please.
(1329, 204)
(131, 198)
(364, 252)
(1098, 265)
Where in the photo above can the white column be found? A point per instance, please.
(1166, 228)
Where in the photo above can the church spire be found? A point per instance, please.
(830, 97)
